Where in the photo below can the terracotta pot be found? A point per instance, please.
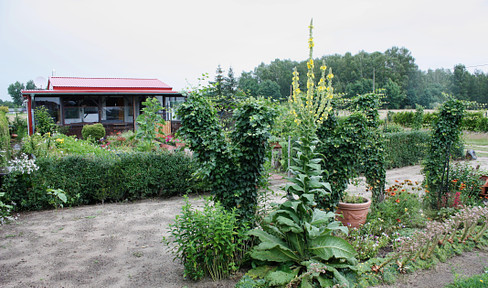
(353, 214)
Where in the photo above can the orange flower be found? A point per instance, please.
(392, 193)
(398, 220)
(454, 181)
(397, 200)
(397, 181)
(403, 190)
(426, 191)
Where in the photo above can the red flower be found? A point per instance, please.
(397, 200)
(398, 220)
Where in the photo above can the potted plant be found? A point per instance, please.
(353, 210)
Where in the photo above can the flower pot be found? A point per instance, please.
(353, 214)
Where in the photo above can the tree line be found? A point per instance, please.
(393, 71)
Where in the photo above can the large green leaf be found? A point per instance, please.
(266, 237)
(288, 225)
(281, 278)
(320, 217)
(297, 243)
(326, 247)
(278, 254)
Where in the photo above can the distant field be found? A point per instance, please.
(476, 141)
(11, 116)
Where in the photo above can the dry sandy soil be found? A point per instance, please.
(119, 245)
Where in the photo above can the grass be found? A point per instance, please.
(471, 282)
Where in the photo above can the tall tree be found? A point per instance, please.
(269, 89)
(248, 84)
(230, 83)
(14, 90)
(219, 79)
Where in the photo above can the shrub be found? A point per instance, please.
(97, 178)
(445, 140)
(4, 140)
(4, 109)
(404, 118)
(44, 122)
(94, 131)
(405, 148)
(208, 242)
(466, 180)
(18, 126)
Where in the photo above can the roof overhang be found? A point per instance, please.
(100, 92)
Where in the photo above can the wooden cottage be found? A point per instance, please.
(114, 102)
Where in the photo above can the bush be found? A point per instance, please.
(404, 118)
(208, 242)
(44, 121)
(4, 109)
(18, 126)
(405, 148)
(95, 131)
(91, 179)
(4, 140)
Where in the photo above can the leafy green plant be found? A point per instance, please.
(231, 165)
(93, 132)
(405, 148)
(18, 126)
(208, 242)
(44, 122)
(58, 197)
(5, 210)
(418, 118)
(149, 121)
(365, 243)
(297, 239)
(4, 140)
(4, 109)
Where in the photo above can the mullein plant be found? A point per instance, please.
(296, 240)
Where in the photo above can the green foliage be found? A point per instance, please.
(366, 243)
(373, 153)
(93, 132)
(298, 235)
(477, 281)
(231, 166)
(208, 242)
(418, 118)
(405, 148)
(88, 179)
(445, 139)
(401, 207)
(4, 109)
(18, 126)
(149, 121)
(404, 118)
(58, 197)
(4, 140)
(44, 122)
(5, 209)
(15, 91)
(248, 282)
(465, 179)
(341, 141)
(475, 121)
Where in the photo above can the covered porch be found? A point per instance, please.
(115, 107)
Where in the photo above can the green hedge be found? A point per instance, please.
(405, 148)
(92, 179)
(4, 140)
(472, 121)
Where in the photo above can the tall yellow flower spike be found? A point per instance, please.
(310, 109)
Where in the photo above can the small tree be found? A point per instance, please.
(44, 121)
(150, 120)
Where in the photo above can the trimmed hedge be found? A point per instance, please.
(405, 148)
(92, 179)
(472, 121)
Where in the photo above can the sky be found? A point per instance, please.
(177, 41)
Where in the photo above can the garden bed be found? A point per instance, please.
(119, 245)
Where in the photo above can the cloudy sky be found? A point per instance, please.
(176, 41)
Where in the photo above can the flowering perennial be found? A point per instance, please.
(23, 165)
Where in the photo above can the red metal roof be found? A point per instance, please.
(56, 83)
(81, 85)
